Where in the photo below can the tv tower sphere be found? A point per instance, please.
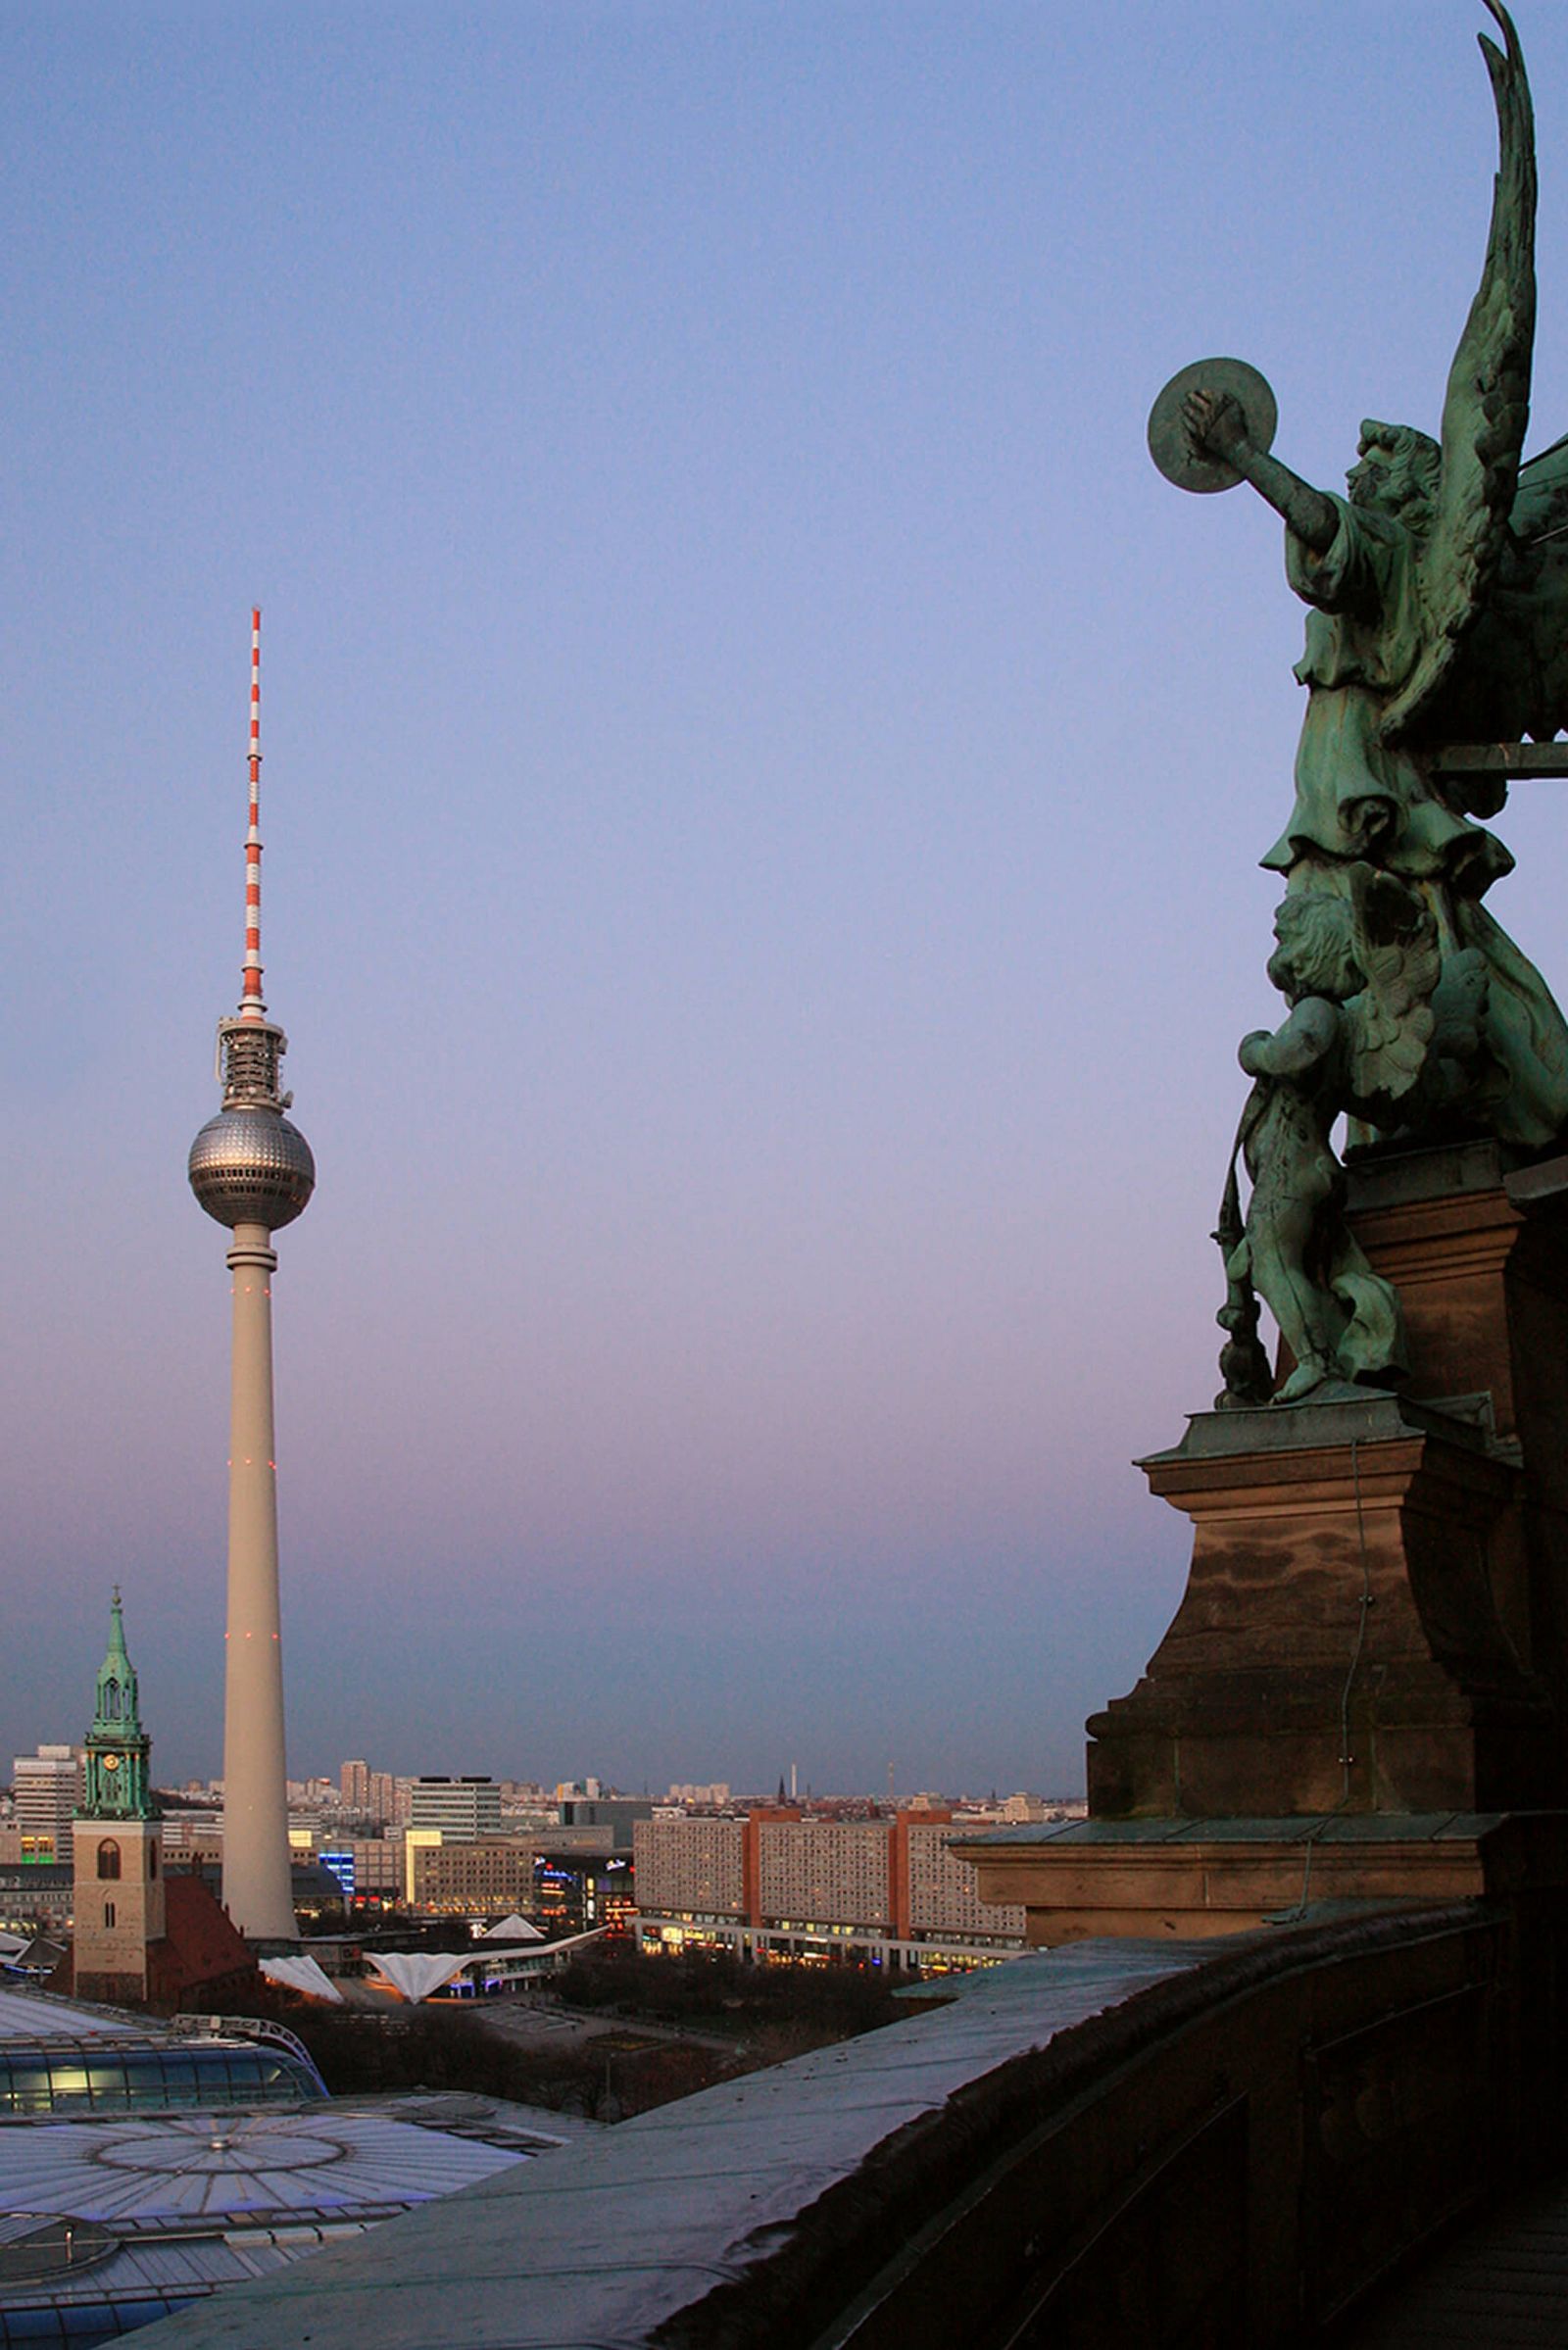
(253, 1171)
(251, 1166)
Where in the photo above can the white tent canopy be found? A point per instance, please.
(511, 1930)
(302, 1975)
(415, 1974)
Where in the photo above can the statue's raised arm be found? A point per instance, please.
(1437, 590)
(1487, 406)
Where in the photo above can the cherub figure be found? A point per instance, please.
(1358, 961)
(1439, 616)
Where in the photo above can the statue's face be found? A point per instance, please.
(1395, 474)
(1378, 478)
(1314, 956)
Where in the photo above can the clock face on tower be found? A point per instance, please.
(111, 1762)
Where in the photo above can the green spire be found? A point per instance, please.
(115, 1710)
(115, 1782)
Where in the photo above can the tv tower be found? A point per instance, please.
(252, 1170)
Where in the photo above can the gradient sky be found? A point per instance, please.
(762, 795)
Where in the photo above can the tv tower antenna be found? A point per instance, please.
(252, 1170)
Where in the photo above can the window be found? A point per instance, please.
(109, 1858)
(109, 1913)
(152, 1860)
(150, 2080)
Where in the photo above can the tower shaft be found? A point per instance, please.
(253, 1171)
(256, 1853)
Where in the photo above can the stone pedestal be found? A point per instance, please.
(1374, 1634)
(1192, 1879)
(1338, 1646)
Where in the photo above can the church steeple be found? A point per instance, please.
(119, 1916)
(115, 1763)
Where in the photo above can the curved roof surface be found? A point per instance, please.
(32, 2016)
(319, 2161)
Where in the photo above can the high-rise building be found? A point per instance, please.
(373, 1794)
(825, 1869)
(119, 1905)
(619, 1813)
(46, 1788)
(710, 1797)
(253, 1171)
(777, 1884)
(460, 1808)
(692, 1868)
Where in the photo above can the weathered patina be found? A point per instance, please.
(1438, 595)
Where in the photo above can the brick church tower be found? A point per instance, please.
(119, 1840)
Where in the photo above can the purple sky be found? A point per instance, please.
(762, 795)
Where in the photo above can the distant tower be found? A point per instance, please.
(119, 1898)
(252, 1170)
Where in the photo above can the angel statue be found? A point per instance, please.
(1438, 589)
(1359, 963)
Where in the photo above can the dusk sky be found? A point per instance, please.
(762, 795)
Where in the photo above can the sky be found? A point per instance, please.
(763, 794)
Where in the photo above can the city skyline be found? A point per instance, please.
(763, 860)
(587, 1785)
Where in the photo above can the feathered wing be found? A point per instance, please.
(1487, 406)
(1391, 1021)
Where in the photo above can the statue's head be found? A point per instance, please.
(1397, 472)
(1316, 951)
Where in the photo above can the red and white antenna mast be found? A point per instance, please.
(251, 1005)
(252, 1171)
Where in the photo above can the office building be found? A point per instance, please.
(460, 1808)
(46, 1788)
(469, 1876)
(619, 1813)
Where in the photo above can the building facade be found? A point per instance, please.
(619, 1813)
(370, 1795)
(831, 1870)
(469, 1876)
(780, 1884)
(693, 1868)
(46, 1788)
(463, 1809)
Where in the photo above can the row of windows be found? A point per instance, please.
(36, 2081)
(81, 2324)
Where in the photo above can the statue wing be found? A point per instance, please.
(1487, 406)
(1391, 1021)
(1541, 508)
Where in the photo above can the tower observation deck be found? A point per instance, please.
(253, 1171)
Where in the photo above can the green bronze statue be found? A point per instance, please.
(1360, 971)
(1438, 595)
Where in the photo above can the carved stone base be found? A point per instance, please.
(1185, 1879)
(1376, 1618)
(1338, 1646)
(1480, 1258)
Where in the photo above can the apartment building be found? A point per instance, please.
(779, 1882)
